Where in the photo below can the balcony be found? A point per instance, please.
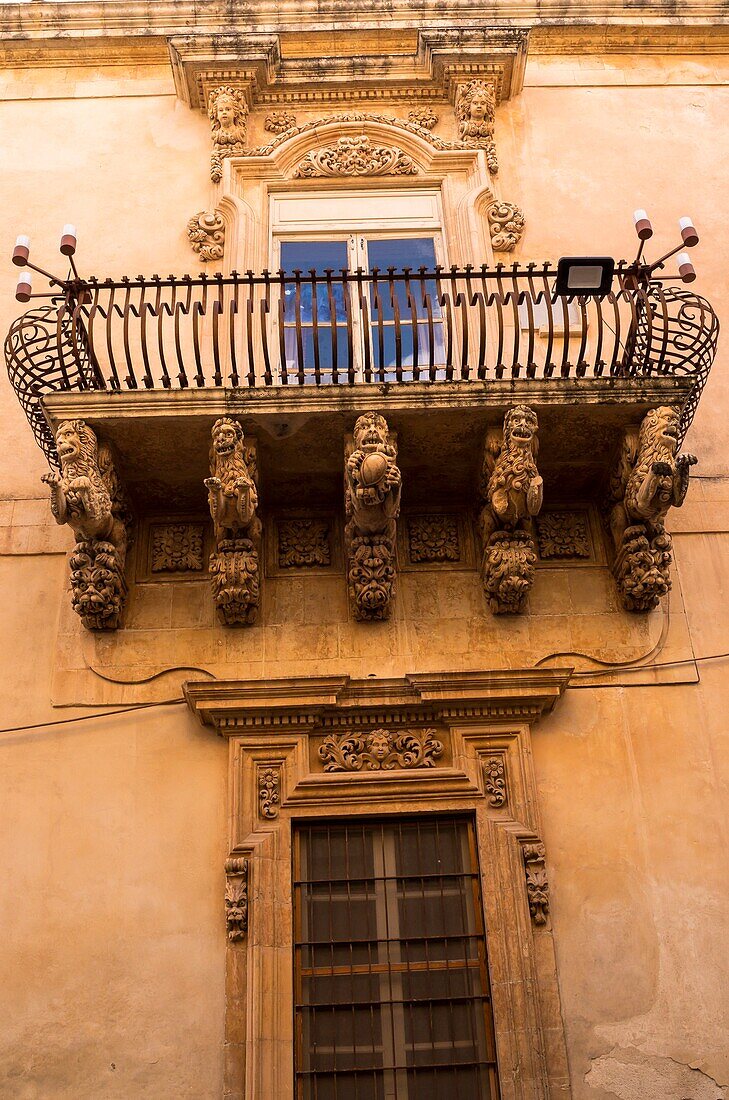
(150, 363)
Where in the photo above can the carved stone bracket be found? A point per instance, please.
(536, 882)
(380, 750)
(356, 156)
(207, 235)
(88, 496)
(494, 774)
(372, 505)
(236, 897)
(512, 493)
(268, 781)
(649, 478)
(233, 499)
(506, 225)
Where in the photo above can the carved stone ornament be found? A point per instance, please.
(380, 750)
(423, 116)
(494, 774)
(372, 505)
(475, 112)
(269, 791)
(506, 225)
(433, 538)
(512, 491)
(316, 124)
(233, 499)
(649, 478)
(228, 114)
(536, 882)
(278, 122)
(236, 897)
(563, 535)
(177, 548)
(88, 496)
(207, 235)
(356, 156)
(303, 542)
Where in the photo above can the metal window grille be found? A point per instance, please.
(391, 982)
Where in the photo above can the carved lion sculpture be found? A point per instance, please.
(648, 480)
(232, 493)
(373, 482)
(513, 490)
(86, 494)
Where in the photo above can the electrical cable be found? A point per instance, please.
(99, 714)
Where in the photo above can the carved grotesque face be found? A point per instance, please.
(520, 426)
(370, 431)
(68, 442)
(225, 438)
(378, 744)
(667, 428)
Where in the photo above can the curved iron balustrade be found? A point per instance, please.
(353, 327)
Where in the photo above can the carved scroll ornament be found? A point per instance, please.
(512, 491)
(475, 112)
(494, 773)
(236, 897)
(506, 225)
(380, 750)
(269, 791)
(228, 114)
(356, 156)
(233, 499)
(207, 235)
(536, 882)
(372, 505)
(88, 496)
(649, 478)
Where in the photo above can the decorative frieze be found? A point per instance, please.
(236, 897)
(380, 750)
(423, 116)
(268, 780)
(433, 538)
(372, 505)
(233, 499)
(303, 542)
(506, 225)
(475, 111)
(177, 548)
(563, 535)
(315, 125)
(88, 496)
(494, 776)
(228, 114)
(536, 882)
(278, 122)
(649, 478)
(356, 156)
(512, 493)
(207, 235)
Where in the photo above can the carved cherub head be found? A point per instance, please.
(476, 103)
(370, 431)
(378, 744)
(228, 113)
(76, 441)
(660, 430)
(520, 428)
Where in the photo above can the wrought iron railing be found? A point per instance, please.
(327, 329)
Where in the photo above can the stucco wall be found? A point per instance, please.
(113, 832)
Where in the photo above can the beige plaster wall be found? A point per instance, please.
(113, 833)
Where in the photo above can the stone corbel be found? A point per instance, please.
(506, 225)
(206, 231)
(233, 500)
(88, 496)
(537, 886)
(511, 492)
(649, 478)
(236, 897)
(372, 504)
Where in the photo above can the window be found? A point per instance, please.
(378, 327)
(391, 985)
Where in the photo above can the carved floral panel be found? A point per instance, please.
(380, 750)
(433, 538)
(356, 156)
(303, 542)
(177, 548)
(563, 535)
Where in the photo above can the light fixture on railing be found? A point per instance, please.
(689, 238)
(21, 258)
(584, 275)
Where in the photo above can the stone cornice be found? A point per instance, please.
(234, 706)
